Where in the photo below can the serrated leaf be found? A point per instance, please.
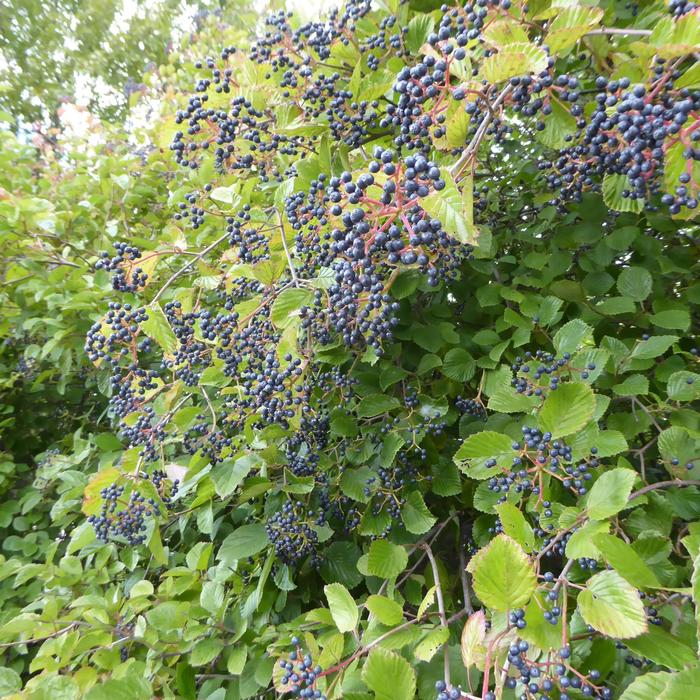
(652, 347)
(389, 675)
(613, 187)
(662, 648)
(634, 385)
(569, 25)
(285, 308)
(612, 606)
(447, 205)
(376, 404)
(387, 611)
(514, 59)
(623, 558)
(386, 560)
(417, 519)
(342, 606)
(571, 336)
(503, 576)
(515, 525)
(672, 319)
(610, 493)
(429, 645)
(567, 409)
(459, 365)
(503, 32)
(418, 30)
(244, 542)
(559, 125)
(478, 449)
(635, 283)
(205, 651)
(647, 686)
(473, 640)
(156, 326)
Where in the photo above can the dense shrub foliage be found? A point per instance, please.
(368, 370)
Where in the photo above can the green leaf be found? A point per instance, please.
(236, 660)
(386, 560)
(671, 319)
(626, 561)
(126, 688)
(676, 443)
(459, 365)
(447, 205)
(612, 606)
(504, 577)
(376, 404)
(387, 611)
(415, 514)
(653, 347)
(613, 187)
(419, 28)
(342, 606)
(695, 583)
(431, 642)
(634, 385)
(648, 686)
(227, 195)
(514, 59)
(285, 308)
(635, 283)
(168, 615)
(569, 25)
(571, 336)
(582, 542)
(662, 648)
(10, 681)
(156, 326)
(244, 542)
(683, 386)
(515, 525)
(567, 409)
(389, 675)
(473, 640)
(340, 564)
(610, 493)
(479, 448)
(205, 651)
(503, 32)
(227, 475)
(557, 127)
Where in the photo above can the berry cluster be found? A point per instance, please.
(291, 531)
(127, 276)
(300, 674)
(126, 518)
(630, 132)
(539, 679)
(531, 369)
(471, 407)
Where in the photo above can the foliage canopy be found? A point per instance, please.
(368, 369)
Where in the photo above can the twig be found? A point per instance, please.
(662, 485)
(468, 608)
(635, 400)
(471, 149)
(441, 609)
(286, 250)
(211, 409)
(429, 538)
(621, 32)
(188, 265)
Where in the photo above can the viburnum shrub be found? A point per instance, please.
(404, 385)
